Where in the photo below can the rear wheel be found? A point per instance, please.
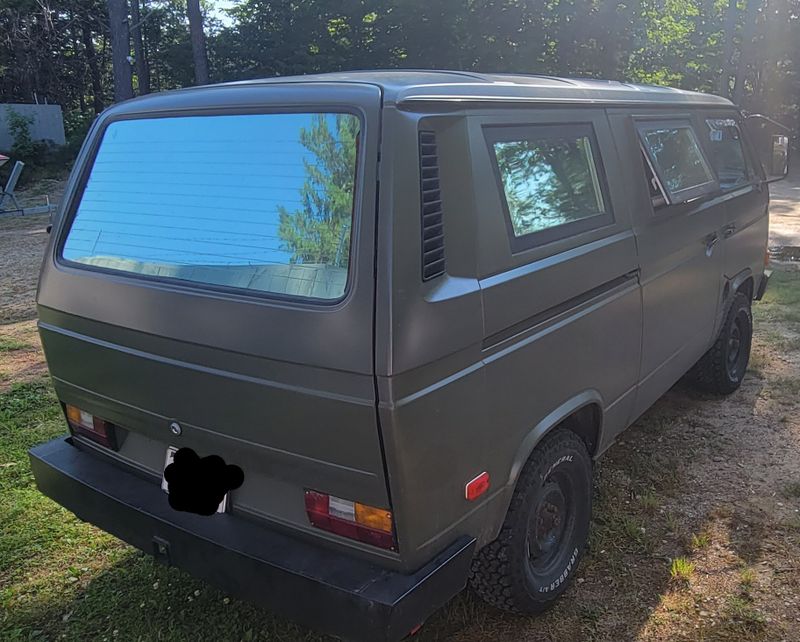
(721, 369)
(544, 534)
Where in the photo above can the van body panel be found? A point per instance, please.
(681, 255)
(283, 388)
(573, 303)
(746, 228)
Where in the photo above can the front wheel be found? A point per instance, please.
(544, 535)
(721, 369)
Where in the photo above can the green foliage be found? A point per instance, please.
(701, 541)
(24, 148)
(59, 50)
(9, 344)
(319, 231)
(681, 569)
(19, 127)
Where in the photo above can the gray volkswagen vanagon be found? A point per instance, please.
(342, 344)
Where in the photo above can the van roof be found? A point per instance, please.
(407, 86)
(411, 89)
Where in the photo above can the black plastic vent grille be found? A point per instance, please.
(433, 261)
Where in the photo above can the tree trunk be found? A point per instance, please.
(746, 51)
(198, 42)
(120, 49)
(142, 72)
(24, 71)
(94, 67)
(731, 18)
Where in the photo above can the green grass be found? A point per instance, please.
(781, 301)
(681, 569)
(701, 541)
(741, 610)
(61, 577)
(748, 578)
(649, 501)
(7, 344)
(780, 341)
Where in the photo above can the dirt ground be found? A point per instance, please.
(22, 243)
(784, 219)
(696, 529)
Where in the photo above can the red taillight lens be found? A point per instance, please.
(351, 519)
(87, 425)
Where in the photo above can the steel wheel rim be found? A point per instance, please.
(736, 352)
(550, 526)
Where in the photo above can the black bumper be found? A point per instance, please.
(325, 590)
(762, 285)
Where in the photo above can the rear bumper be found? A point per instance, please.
(762, 286)
(322, 589)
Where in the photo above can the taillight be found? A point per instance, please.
(364, 523)
(87, 425)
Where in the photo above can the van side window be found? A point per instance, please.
(551, 180)
(726, 152)
(677, 159)
(657, 194)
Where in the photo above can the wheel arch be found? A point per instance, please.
(743, 283)
(582, 414)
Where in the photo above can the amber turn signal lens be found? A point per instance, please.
(377, 518)
(351, 519)
(80, 417)
(74, 414)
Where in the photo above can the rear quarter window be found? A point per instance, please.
(260, 202)
(551, 179)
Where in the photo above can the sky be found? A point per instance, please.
(218, 8)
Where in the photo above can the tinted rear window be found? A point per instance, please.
(261, 202)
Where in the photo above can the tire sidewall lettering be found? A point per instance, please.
(563, 576)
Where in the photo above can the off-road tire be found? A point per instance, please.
(720, 370)
(503, 572)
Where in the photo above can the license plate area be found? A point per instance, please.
(171, 450)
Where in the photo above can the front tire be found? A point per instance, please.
(543, 538)
(721, 369)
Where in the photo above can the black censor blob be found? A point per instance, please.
(198, 485)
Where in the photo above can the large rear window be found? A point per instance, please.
(260, 201)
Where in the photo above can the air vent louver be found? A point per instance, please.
(433, 261)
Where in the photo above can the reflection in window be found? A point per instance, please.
(677, 156)
(548, 181)
(727, 154)
(260, 201)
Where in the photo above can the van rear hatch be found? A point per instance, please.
(211, 274)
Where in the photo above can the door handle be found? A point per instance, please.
(711, 240)
(728, 230)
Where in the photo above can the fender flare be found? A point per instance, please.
(553, 419)
(732, 284)
(738, 279)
